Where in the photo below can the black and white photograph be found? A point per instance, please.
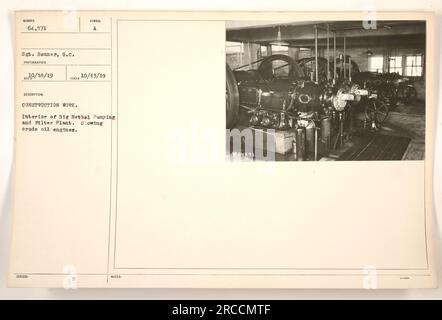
(325, 91)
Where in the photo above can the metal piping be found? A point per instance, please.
(316, 144)
(334, 56)
(328, 52)
(349, 68)
(316, 55)
(344, 59)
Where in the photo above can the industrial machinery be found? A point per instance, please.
(308, 66)
(288, 101)
(314, 98)
(406, 90)
(390, 87)
(232, 98)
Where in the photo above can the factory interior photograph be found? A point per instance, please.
(325, 91)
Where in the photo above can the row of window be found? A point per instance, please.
(413, 65)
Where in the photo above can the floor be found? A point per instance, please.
(410, 120)
(374, 146)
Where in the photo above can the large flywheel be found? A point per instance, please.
(308, 66)
(232, 98)
(281, 64)
(376, 112)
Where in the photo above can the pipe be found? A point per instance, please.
(349, 68)
(316, 56)
(328, 52)
(249, 53)
(341, 129)
(326, 132)
(334, 56)
(345, 58)
(316, 144)
(300, 144)
(246, 65)
(341, 71)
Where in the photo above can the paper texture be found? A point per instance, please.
(121, 177)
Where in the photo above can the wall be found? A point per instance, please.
(359, 55)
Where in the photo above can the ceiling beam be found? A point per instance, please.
(298, 33)
(416, 41)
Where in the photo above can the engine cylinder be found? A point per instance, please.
(300, 144)
(310, 139)
(326, 131)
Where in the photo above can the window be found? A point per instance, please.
(414, 66)
(396, 64)
(263, 51)
(234, 54)
(234, 47)
(376, 64)
(305, 53)
(280, 49)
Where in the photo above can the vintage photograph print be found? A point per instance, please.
(325, 91)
